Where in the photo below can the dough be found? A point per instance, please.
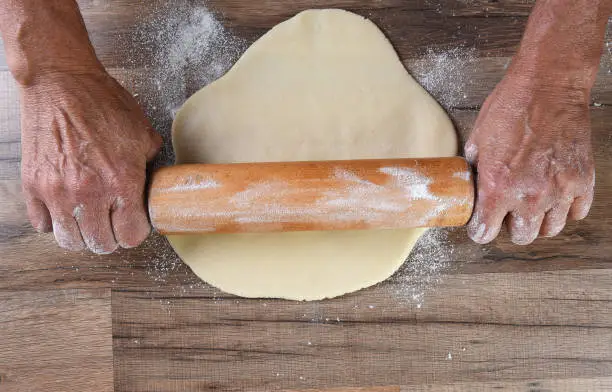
(325, 84)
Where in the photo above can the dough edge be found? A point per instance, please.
(412, 235)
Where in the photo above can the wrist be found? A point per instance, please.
(563, 43)
(553, 75)
(43, 38)
(29, 71)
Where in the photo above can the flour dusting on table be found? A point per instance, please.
(424, 268)
(445, 74)
(182, 47)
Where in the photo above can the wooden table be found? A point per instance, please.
(502, 317)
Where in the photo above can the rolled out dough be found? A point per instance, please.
(325, 84)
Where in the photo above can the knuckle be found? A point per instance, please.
(129, 183)
(489, 197)
(532, 197)
(82, 188)
(29, 186)
(49, 187)
(129, 191)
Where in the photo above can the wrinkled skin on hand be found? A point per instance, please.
(85, 145)
(531, 147)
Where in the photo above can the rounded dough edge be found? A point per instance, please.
(427, 102)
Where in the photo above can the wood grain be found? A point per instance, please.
(512, 318)
(556, 385)
(364, 389)
(557, 324)
(55, 341)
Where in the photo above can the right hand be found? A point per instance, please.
(531, 145)
(85, 145)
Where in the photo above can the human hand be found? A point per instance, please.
(85, 145)
(531, 147)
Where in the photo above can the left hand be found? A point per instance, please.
(531, 147)
(85, 145)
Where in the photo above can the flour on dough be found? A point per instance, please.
(323, 85)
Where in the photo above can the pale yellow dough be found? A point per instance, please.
(325, 84)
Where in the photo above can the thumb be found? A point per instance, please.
(471, 152)
(155, 144)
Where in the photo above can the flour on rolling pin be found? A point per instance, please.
(309, 196)
(193, 184)
(362, 199)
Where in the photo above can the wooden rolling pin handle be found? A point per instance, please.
(298, 196)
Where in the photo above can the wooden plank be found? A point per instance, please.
(55, 340)
(472, 328)
(413, 26)
(10, 146)
(366, 389)
(558, 385)
(410, 33)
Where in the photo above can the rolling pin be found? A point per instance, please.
(301, 196)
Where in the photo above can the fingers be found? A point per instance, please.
(66, 231)
(130, 222)
(584, 199)
(555, 219)
(101, 230)
(39, 215)
(486, 221)
(524, 226)
(95, 226)
(581, 206)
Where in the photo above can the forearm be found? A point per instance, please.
(563, 43)
(45, 37)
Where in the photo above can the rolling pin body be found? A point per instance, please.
(298, 196)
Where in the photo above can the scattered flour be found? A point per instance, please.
(606, 59)
(445, 74)
(424, 268)
(182, 47)
(165, 268)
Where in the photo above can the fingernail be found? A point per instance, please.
(477, 230)
(554, 231)
(97, 248)
(470, 152)
(480, 232)
(64, 239)
(78, 210)
(522, 241)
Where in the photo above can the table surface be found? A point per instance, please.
(499, 316)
